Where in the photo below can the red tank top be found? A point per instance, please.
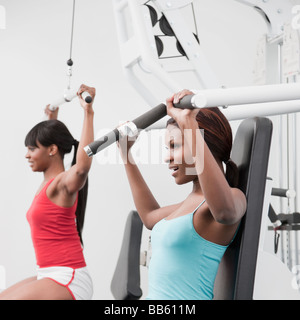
(54, 234)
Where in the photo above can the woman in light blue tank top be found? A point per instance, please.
(189, 238)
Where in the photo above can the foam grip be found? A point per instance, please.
(142, 122)
(186, 102)
(287, 193)
(102, 143)
(151, 116)
(86, 97)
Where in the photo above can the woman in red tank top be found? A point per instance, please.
(56, 215)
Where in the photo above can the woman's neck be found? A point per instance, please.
(53, 170)
(196, 187)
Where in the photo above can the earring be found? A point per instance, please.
(50, 154)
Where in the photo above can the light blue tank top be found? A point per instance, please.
(183, 265)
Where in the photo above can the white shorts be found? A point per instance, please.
(77, 281)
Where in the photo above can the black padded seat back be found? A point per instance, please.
(250, 152)
(125, 284)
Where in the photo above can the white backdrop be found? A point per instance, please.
(34, 49)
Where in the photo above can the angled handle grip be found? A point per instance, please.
(141, 122)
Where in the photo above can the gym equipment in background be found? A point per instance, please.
(70, 94)
(255, 95)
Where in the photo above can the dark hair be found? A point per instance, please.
(55, 132)
(218, 137)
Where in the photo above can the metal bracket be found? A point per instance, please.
(139, 48)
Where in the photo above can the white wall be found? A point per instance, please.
(34, 49)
